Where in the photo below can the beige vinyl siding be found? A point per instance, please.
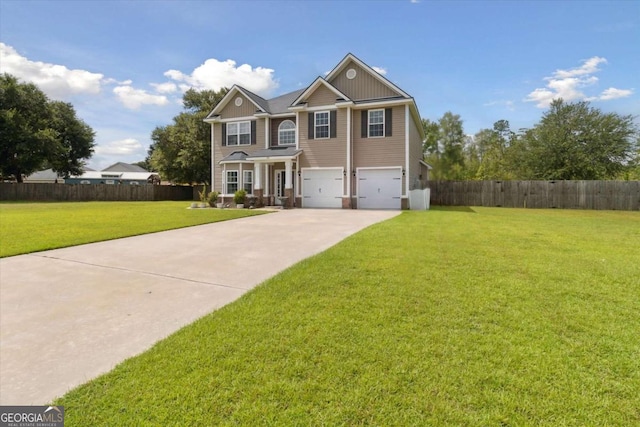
(273, 141)
(221, 152)
(363, 86)
(248, 108)
(415, 155)
(323, 153)
(322, 96)
(383, 151)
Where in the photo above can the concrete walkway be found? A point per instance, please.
(69, 315)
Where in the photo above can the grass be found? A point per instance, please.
(32, 227)
(492, 317)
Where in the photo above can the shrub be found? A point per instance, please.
(239, 197)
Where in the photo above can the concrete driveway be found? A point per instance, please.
(69, 315)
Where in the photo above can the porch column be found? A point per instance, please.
(266, 182)
(288, 166)
(288, 183)
(257, 172)
(257, 185)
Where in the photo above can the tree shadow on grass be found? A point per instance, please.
(464, 209)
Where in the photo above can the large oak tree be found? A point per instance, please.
(181, 151)
(37, 133)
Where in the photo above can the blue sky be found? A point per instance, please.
(125, 64)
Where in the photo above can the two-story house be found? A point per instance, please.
(351, 139)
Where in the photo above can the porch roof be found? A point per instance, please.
(275, 154)
(235, 157)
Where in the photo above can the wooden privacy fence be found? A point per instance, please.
(93, 192)
(610, 195)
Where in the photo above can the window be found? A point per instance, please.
(287, 133)
(322, 125)
(239, 133)
(376, 123)
(247, 181)
(232, 182)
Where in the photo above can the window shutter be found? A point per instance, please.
(253, 132)
(364, 122)
(224, 133)
(332, 124)
(311, 125)
(387, 122)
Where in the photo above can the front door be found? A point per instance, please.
(280, 176)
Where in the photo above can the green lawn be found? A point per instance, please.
(478, 317)
(31, 227)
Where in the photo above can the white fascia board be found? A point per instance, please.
(225, 100)
(322, 108)
(381, 104)
(319, 81)
(226, 162)
(272, 159)
(422, 162)
(370, 70)
(237, 119)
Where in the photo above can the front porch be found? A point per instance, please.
(268, 176)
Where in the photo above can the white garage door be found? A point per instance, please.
(379, 188)
(322, 188)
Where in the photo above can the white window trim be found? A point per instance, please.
(226, 180)
(328, 125)
(384, 125)
(250, 172)
(288, 130)
(238, 133)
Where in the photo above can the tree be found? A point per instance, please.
(432, 136)
(38, 133)
(493, 146)
(452, 138)
(577, 141)
(181, 151)
(74, 140)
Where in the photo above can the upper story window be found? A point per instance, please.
(239, 133)
(376, 123)
(287, 133)
(321, 125)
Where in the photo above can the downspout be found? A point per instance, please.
(406, 152)
(349, 166)
(213, 160)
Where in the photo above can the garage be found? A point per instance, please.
(379, 188)
(322, 188)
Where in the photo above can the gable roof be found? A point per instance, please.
(123, 167)
(351, 57)
(258, 101)
(313, 86)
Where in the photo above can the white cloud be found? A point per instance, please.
(613, 93)
(214, 75)
(508, 104)
(135, 98)
(380, 70)
(167, 87)
(57, 81)
(569, 85)
(123, 147)
(589, 66)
